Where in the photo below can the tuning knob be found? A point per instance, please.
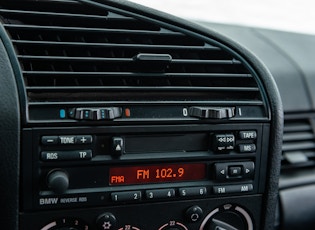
(58, 181)
(66, 224)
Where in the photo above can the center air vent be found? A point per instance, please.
(71, 52)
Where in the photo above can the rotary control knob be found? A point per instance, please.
(173, 225)
(66, 224)
(58, 181)
(227, 217)
(106, 221)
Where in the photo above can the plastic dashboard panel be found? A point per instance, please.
(288, 72)
(289, 58)
(12, 198)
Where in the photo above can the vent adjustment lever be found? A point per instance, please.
(211, 112)
(152, 62)
(106, 113)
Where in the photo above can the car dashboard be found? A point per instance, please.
(289, 58)
(117, 116)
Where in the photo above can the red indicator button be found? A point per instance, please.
(127, 112)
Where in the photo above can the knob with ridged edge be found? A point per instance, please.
(58, 181)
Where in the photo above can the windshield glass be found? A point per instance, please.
(293, 15)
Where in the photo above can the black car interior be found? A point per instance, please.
(117, 116)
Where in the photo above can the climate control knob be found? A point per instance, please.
(58, 181)
(173, 225)
(106, 221)
(66, 224)
(194, 214)
(228, 217)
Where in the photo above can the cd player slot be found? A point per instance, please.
(167, 143)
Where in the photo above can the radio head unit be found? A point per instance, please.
(132, 119)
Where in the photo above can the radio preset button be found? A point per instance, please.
(160, 193)
(126, 196)
(192, 191)
(66, 155)
(227, 189)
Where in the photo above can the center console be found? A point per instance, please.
(134, 120)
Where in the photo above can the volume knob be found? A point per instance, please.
(58, 181)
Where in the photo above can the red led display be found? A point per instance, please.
(156, 173)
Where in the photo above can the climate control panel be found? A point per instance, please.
(209, 214)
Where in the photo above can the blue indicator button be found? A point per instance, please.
(62, 113)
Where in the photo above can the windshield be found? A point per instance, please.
(293, 15)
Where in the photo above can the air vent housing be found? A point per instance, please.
(79, 54)
(298, 149)
(105, 85)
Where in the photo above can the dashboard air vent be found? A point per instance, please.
(298, 143)
(70, 52)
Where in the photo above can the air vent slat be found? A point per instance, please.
(157, 102)
(125, 74)
(297, 136)
(74, 59)
(113, 45)
(210, 62)
(107, 16)
(298, 146)
(96, 59)
(138, 96)
(101, 14)
(143, 88)
(60, 29)
(297, 127)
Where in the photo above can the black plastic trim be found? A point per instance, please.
(276, 113)
(9, 143)
(252, 62)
